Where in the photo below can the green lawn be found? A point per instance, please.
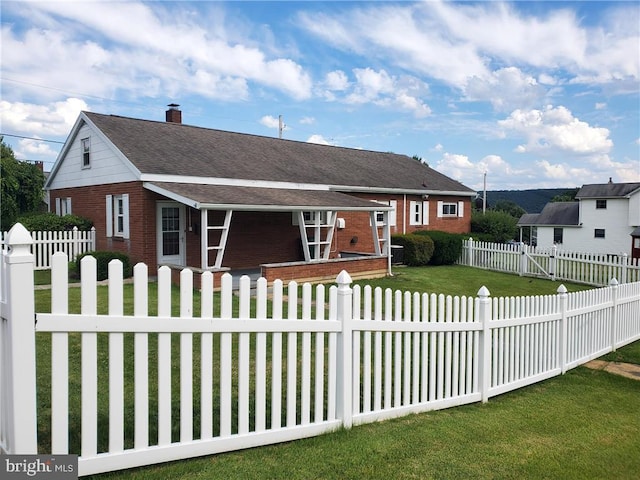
(585, 424)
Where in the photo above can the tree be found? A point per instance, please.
(512, 208)
(568, 196)
(21, 187)
(494, 225)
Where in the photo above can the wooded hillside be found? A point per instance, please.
(533, 201)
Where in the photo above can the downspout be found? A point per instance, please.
(404, 214)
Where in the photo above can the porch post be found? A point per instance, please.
(19, 344)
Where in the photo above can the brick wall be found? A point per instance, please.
(363, 267)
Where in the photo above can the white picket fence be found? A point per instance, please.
(552, 262)
(271, 364)
(72, 242)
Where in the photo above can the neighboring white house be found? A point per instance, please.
(605, 218)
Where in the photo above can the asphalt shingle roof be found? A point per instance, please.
(607, 190)
(181, 150)
(271, 197)
(554, 213)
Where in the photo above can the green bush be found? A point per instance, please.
(499, 226)
(417, 249)
(49, 222)
(102, 263)
(447, 246)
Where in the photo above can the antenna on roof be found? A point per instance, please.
(281, 126)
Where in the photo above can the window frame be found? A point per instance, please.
(599, 233)
(449, 206)
(85, 147)
(558, 232)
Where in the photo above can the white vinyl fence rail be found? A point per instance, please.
(553, 263)
(72, 242)
(143, 384)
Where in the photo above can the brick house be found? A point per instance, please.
(167, 193)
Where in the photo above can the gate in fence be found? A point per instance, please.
(131, 383)
(552, 263)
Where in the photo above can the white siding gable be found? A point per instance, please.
(107, 164)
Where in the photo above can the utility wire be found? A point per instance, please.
(30, 138)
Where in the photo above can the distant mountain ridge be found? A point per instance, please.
(532, 201)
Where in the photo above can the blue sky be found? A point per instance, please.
(535, 94)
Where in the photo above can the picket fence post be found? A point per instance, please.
(523, 259)
(344, 408)
(552, 262)
(470, 261)
(20, 347)
(563, 298)
(625, 264)
(484, 316)
(614, 312)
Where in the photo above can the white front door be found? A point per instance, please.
(171, 231)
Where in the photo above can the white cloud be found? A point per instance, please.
(147, 50)
(319, 139)
(52, 120)
(600, 105)
(506, 89)
(307, 120)
(454, 42)
(336, 80)
(270, 122)
(556, 128)
(389, 91)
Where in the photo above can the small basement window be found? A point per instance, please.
(598, 233)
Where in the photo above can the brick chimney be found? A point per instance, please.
(174, 115)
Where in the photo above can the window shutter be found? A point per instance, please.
(412, 213)
(58, 206)
(392, 213)
(425, 213)
(125, 207)
(109, 216)
(461, 209)
(440, 208)
(68, 206)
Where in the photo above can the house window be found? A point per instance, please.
(63, 206)
(601, 204)
(418, 213)
(557, 235)
(450, 209)
(392, 214)
(117, 215)
(311, 217)
(86, 152)
(598, 233)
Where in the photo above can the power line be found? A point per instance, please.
(31, 138)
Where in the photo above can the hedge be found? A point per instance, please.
(102, 263)
(417, 250)
(447, 246)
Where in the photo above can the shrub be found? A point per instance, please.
(49, 222)
(447, 246)
(417, 249)
(499, 225)
(102, 263)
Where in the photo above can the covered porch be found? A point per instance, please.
(285, 233)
